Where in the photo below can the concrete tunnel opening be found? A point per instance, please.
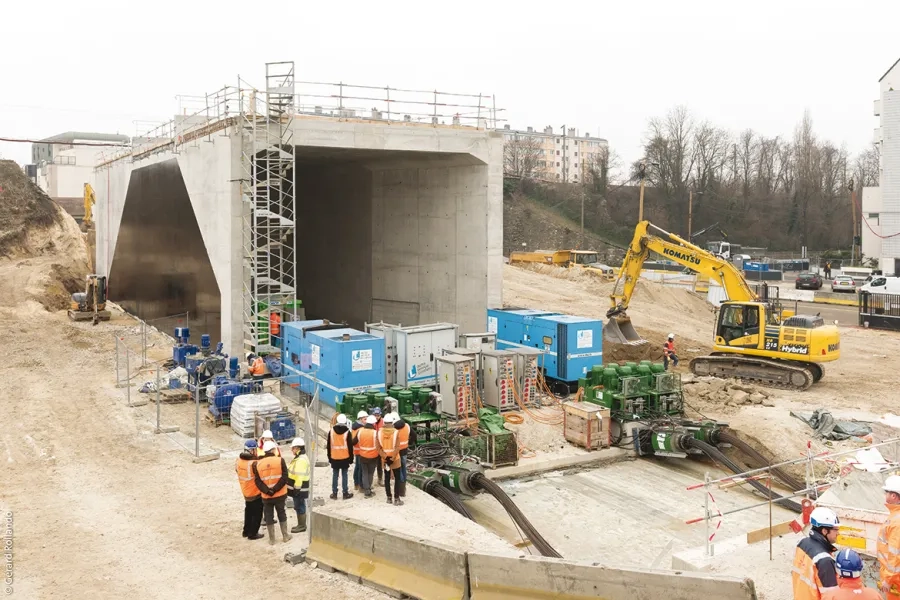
(367, 247)
(161, 265)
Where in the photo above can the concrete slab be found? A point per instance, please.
(625, 513)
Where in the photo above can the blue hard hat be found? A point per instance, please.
(250, 444)
(376, 411)
(849, 564)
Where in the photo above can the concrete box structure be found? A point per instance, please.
(886, 221)
(400, 222)
(341, 361)
(571, 345)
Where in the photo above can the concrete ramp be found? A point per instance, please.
(536, 578)
(388, 559)
(619, 330)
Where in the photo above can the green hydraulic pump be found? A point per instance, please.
(676, 440)
(456, 477)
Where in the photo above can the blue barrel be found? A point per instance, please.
(204, 341)
(233, 366)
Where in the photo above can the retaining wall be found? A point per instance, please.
(427, 570)
(388, 559)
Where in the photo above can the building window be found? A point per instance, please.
(557, 175)
(557, 152)
(557, 140)
(873, 215)
(576, 153)
(576, 165)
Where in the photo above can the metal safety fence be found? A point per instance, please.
(821, 470)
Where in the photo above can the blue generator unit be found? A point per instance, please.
(342, 359)
(571, 345)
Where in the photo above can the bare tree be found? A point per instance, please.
(523, 157)
(867, 167)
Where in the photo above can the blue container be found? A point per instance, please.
(355, 364)
(226, 392)
(295, 355)
(233, 367)
(572, 345)
(204, 342)
(283, 428)
(512, 325)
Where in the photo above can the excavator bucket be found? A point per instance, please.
(619, 330)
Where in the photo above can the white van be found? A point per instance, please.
(881, 284)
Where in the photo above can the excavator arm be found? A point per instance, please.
(89, 200)
(681, 251)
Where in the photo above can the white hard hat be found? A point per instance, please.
(824, 517)
(371, 420)
(892, 484)
(269, 446)
(671, 336)
(389, 418)
(342, 419)
(395, 416)
(268, 434)
(362, 414)
(298, 443)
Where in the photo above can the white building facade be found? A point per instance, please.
(62, 166)
(566, 156)
(881, 205)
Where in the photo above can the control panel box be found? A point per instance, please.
(418, 347)
(456, 384)
(499, 375)
(386, 331)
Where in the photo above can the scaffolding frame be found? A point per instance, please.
(269, 205)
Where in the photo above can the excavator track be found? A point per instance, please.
(760, 371)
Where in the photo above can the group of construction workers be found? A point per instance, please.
(266, 481)
(375, 445)
(818, 574)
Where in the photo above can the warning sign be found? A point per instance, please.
(585, 338)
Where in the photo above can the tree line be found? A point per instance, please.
(776, 192)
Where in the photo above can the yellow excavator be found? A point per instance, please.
(87, 221)
(755, 339)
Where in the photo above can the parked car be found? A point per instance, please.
(843, 283)
(809, 281)
(881, 284)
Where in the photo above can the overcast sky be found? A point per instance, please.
(603, 67)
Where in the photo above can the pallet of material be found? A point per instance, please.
(586, 425)
(174, 395)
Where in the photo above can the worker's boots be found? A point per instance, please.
(285, 536)
(301, 524)
(271, 530)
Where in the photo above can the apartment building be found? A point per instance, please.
(881, 205)
(563, 156)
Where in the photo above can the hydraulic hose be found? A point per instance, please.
(449, 498)
(478, 480)
(759, 460)
(716, 455)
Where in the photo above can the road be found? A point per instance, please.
(844, 315)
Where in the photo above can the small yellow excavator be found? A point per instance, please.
(756, 340)
(90, 305)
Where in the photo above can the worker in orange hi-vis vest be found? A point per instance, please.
(669, 352)
(889, 540)
(271, 474)
(368, 454)
(253, 504)
(389, 449)
(850, 585)
(275, 328)
(340, 455)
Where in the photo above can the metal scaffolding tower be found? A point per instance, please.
(267, 191)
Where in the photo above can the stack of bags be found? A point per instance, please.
(245, 408)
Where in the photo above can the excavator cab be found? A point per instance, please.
(738, 324)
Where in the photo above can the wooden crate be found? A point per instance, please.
(586, 425)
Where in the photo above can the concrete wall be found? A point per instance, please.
(389, 559)
(427, 570)
(871, 206)
(206, 168)
(334, 242)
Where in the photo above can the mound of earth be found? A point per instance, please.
(717, 395)
(42, 241)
